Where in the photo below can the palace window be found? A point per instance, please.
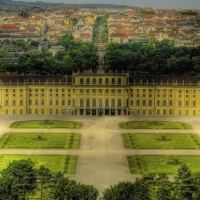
(100, 103)
(131, 102)
(164, 102)
(150, 102)
(81, 103)
(94, 80)
(88, 103)
(81, 81)
(100, 81)
(42, 102)
(57, 102)
(113, 102)
(107, 81)
(107, 103)
(119, 81)
(88, 81)
(119, 103)
(113, 81)
(93, 103)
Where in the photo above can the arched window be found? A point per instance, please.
(107, 103)
(107, 81)
(100, 103)
(81, 103)
(93, 103)
(94, 80)
(113, 81)
(73, 80)
(88, 103)
(126, 81)
(119, 103)
(81, 81)
(88, 81)
(119, 81)
(100, 81)
(112, 103)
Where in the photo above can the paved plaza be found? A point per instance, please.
(101, 156)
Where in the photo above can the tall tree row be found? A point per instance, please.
(159, 59)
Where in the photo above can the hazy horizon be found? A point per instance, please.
(176, 4)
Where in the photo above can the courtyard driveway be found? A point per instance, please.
(101, 158)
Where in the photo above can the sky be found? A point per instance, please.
(177, 4)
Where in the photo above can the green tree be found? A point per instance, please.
(66, 41)
(25, 63)
(64, 188)
(5, 188)
(44, 177)
(74, 21)
(23, 178)
(123, 190)
(185, 183)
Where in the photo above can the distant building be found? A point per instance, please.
(186, 41)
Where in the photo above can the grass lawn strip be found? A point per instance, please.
(154, 125)
(156, 141)
(46, 124)
(40, 140)
(55, 163)
(160, 164)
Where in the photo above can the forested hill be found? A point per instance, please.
(24, 4)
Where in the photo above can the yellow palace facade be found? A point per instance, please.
(99, 93)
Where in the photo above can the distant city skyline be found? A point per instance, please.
(177, 4)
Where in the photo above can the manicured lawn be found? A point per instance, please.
(160, 141)
(40, 140)
(162, 164)
(46, 124)
(154, 125)
(55, 163)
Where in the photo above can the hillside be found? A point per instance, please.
(22, 4)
